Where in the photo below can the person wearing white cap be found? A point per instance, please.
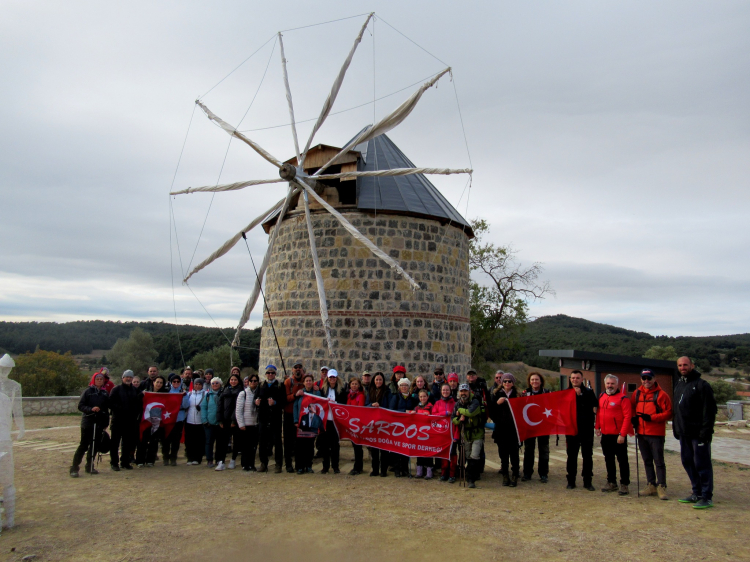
(334, 389)
(402, 402)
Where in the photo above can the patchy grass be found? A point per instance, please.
(193, 513)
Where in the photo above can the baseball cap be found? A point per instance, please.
(464, 387)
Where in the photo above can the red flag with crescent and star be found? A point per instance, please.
(551, 413)
(168, 404)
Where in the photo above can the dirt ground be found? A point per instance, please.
(193, 513)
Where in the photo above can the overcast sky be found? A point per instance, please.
(610, 141)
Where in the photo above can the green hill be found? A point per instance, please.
(82, 337)
(565, 332)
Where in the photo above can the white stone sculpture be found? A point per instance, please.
(11, 409)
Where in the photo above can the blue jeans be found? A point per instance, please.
(696, 459)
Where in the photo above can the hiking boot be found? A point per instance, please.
(662, 492)
(513, 482)
(263, 468)
(278, 469)
(470, 484)
(91, 470)
(290, 469)
(544, 479)
(649, 491)
(173, 462)
(506, 479)
(375, 473)
(570, 487)
(452, 480)
(589, 487)
(384, 474)
(443, 478)
(397, 474)
(525, 478)
(324, 471)
(114, 467)
(623, 491)
(74, 472)
(610, 487)
(300, 471)
(690, 499)
(126, 466)
(703, 504)
(166, 461)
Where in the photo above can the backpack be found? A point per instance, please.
(637, 395)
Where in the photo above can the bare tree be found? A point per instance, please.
(499, 300)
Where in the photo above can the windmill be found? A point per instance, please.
(309, 185)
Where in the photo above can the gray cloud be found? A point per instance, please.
(609, 141)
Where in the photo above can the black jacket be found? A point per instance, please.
(227, 403)
(126, 404)
(276, 391)
(400, 404)
(435, 394)
(694, 408)
(90, 399)
(585, 416)
(147, 385)
(505, 426)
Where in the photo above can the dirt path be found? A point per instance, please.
(192, 513)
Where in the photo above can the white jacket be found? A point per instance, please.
(195, 399)
(246, 411)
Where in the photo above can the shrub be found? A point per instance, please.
(46, 373)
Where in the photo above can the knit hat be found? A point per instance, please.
(170, 378)
(399, 369)
(208, 372)
(403, 382)
(452, 377)
(508, 377)
(127, 373)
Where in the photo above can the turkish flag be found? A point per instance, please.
(168, 404)
(319, 406)
(551, 413)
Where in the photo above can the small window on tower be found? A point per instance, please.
(632, 387)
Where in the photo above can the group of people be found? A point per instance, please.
(249, 417)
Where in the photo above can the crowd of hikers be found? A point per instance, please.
(223, 421)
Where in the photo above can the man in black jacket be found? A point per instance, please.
(270, 402)
(94, 404)
(693, 425)
(147, 384)
(125, 403)
(586, 405)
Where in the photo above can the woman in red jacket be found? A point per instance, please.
(424, 464)
(444, 407)
(356, 398)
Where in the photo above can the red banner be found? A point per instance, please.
(414, 435)
(167, 405)
(551, 413)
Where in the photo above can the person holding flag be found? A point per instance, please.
(535, 386)
(308, 426)
(613, 425)
(505, 434)
(582, 438)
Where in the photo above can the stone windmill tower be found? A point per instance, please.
(367, 263)
(377, 320)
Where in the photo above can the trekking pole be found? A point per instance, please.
(93, 450)
(637, 468)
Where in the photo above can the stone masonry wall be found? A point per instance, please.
(377, 320)
(47, 405)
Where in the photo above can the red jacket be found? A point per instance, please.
(445, 408)
(613, 416)
(291, 387)
(108, 384)
(656, 403)
(355, 398)
(426, 410)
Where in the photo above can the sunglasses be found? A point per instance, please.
(507, 382)
(646, 378)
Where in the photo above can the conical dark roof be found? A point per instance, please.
(412, 195)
